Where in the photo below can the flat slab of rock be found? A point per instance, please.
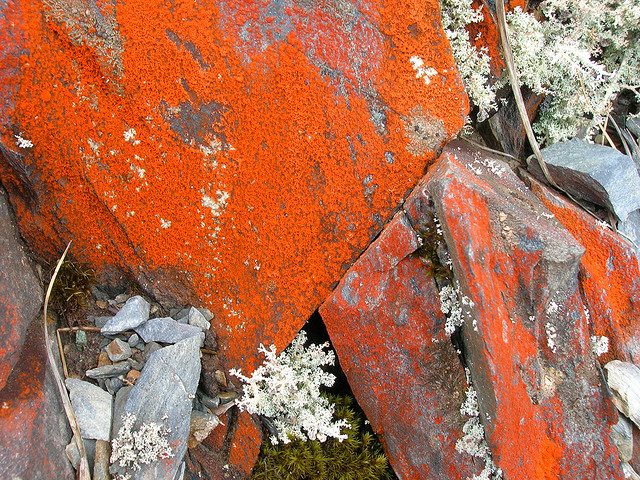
(108, 371)
(92, 406)
(167, 330)
(164, 395)
(134, 313)
(386, 326)
(601, 175)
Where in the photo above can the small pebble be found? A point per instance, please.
(103, 359)
(122, 298)
(221, 378)
(133, 376)
(101, 304)
(226, 397)
(133, 340)
(118, 350)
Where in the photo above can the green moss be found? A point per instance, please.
(430, 251)
(358, 457)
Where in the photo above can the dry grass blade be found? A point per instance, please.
(83, 468)
(515, 87)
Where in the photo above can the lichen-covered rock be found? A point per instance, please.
(609, 277)
(385, 323)
(528, 347)
(20, 292)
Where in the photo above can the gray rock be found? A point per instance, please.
(164, 395)
(595, 173)
(208, 316)
(99, 321)
(622, 436)
(133, 340)
(149, 348)
(108, 371)
(181, 315)
(114, 384)
(92, 407)
(202, 423)
(134, 313)
(633, 124)
(197, 319)
(167, 330)
(118, 350)
(630, 230)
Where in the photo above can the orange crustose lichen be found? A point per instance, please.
(245, 151)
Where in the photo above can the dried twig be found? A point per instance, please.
(83, 468)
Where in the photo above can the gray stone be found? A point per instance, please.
(197, 319)
(622, 436)
(208, 316)
(595, 173)
(134, 313)
(149, 348)
(167, 330)
(202, 423)
(164, 394)
(633, 124)
(99, 321)
(630, 230)
(133, 340)
(181, 315)
(92, 407)
(113, 385)
(118, 350)
(108, 371)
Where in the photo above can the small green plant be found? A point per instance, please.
(358, 457)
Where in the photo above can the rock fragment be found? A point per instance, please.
(167, 330)
(118, 350)
(92, 407)
(624, 380)
(108, 371)
(197, 319)
(134, 313)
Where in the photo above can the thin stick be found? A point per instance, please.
(83, 468)
(62, 357)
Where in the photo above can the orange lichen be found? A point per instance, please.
(245, 152)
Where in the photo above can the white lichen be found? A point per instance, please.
(23, 142)
(473, 442)
(455, 305)
(286, 389)
(144, 445)
(421, 71)
(599, 344)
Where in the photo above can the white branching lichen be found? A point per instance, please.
(453, 304)
(580, 56)
(145, 445)
(473, 442)
(599, 344)
(286, 389)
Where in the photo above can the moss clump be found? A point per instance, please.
(71, 290)
(358, 457)
(432, 249)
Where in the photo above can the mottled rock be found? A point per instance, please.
(623, 438)
(528, 347)
(118, 350)
(291, 130)
(201, 426)
(386, 326)
(197, 319)
(609, 277)
(108, 371)
(92, 407)
(134, 313)
(101, 462)
(167, 330)
(30, 410)
(20, 292)
(595, 173)
(164, 394)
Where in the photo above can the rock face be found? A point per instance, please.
(92, 406)
(385, 323)
(20, 292)
(221, 151)
(528, 347)
(29, 405)
(609, 277)
(525, 337)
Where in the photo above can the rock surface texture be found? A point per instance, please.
(525, 339)
(221, 151)
(29, 405)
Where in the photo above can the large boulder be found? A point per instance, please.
(527, 346)
(238, 154)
